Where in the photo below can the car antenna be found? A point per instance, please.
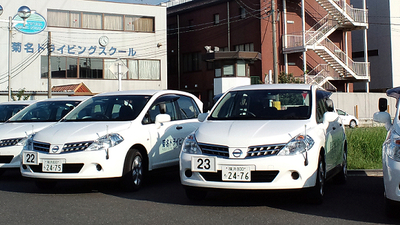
(305, 136)
(107, 155)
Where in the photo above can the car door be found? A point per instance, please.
(167, 139)
(332, 134)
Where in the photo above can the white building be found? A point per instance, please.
(383, 44)
(89, 39)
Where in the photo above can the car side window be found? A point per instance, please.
(321, 109)
(187, 108)
(163, 105)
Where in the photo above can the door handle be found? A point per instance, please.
(178, 127)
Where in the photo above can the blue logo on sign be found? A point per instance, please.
(35, 24)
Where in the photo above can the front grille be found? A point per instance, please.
(9, 142)
(6, 158)
(67, 168)
(255, 151)
(256, 176)
(78, 146)
(218, 150)
(41, 146)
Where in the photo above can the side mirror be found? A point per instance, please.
(329, 105)
(382, 104)
(330, 117)
(162, 118)
(202, 117)
(383, 117)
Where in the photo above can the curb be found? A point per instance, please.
(369, 173)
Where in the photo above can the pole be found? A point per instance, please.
(49, 65)
(229, 27)
(9, 56)
(274, 45)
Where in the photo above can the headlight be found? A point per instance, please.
(190, 145)
(297, 145)
(105, 142)
(393, 149)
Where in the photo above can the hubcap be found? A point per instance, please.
(321, 179)
(137, 170)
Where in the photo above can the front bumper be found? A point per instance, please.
(78, 165)
(10, 156)
(267, 173)
(391, 178)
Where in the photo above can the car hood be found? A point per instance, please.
(249, 133)
(18, 130)
(66, 132)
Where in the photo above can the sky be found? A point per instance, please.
(148, 2)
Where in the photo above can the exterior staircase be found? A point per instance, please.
(339, 16)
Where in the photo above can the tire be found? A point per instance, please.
(341, 177)
(133, 178)
(316, 193)
(46, 185)
(352, 124)
(195, 194)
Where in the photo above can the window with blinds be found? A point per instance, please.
(99, 21)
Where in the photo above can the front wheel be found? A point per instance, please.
(133, 179)
(341, 177)
(317, 192)
(352, 124)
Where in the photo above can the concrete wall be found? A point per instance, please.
(362, 105)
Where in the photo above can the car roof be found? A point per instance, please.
(394, 92)
(68, 98)
(143, 92)
(22, 102)
(272, 86)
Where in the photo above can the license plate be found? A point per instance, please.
(204, 164)
(30, 158)
(52, 165)
(236, 173)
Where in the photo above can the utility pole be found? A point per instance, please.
(274, 44)
(49, 65)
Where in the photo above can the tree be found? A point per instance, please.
(20, 95)
(288, 78)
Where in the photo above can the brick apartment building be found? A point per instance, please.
(215, 44)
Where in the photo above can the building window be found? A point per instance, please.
(216, 18)
(248, 47)
(191, 62)
(113, 22)
(97, 68)
(92, 20)
(242, 13)
(99, 21)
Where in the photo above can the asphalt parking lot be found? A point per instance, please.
(162, 201)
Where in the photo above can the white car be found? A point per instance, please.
(391, 153)
(113, 135)
(347, 119)
(9, 109)
(15, 131)
(264, 137)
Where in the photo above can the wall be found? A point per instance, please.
(362, 104)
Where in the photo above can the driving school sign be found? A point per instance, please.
(35, 24)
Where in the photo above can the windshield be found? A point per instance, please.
(263, 105)
(7, 111)
(109, 108)
(46, 111)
